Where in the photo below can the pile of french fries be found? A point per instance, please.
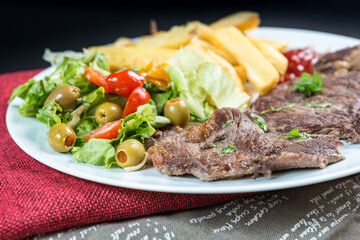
(248, 60)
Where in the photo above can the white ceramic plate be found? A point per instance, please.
(31, 136)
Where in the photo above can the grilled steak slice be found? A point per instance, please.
(342, 89)
(347, 58)
(200, 150)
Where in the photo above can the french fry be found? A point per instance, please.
(279, 45)
(176, 37)
(260, 73)
(241, 72)
(122, 41)
(276, 58)
(211, 47)
(204, 32)
(245, 20)
(210, 56)
(134, 57)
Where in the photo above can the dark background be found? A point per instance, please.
(27, 28)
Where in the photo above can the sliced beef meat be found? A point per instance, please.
(200, 149)
(342, 89)
(347, 58)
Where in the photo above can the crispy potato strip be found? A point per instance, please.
(134, 57)
(260, 72)
(245, 20)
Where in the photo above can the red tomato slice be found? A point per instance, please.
(124, 82)
(109, 130)
(95, 77)
(137, 98)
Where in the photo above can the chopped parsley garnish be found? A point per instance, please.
(260, 121)
(295, 133)
(215, 144)
(257, 159)
(309, 84)
(229, 149)
(272, 109)
(227, 123)
(322, 105)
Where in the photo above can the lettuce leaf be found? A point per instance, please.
(204, 86)
(22, 90)
(160, 97)
(85, 125)
(34, 99)
(94, 98)
(192, 93)
(220, 87)
(98, 62)
(50, 114)
(69, 72)
(56, 58)
(98, 152)
(186, 60)
(141, 124)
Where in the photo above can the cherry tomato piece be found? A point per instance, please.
(124, 82)
(95, 77)
(108, 130)
(137, 98)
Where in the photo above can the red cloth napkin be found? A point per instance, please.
(37, 199)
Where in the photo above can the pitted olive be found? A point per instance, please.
(65, 96)
(177, 111)
(129, 153)
(107, 112)
(61, 137)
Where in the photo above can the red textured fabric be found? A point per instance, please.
(37, 199)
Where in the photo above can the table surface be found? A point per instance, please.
(28, 28)
(323, 211)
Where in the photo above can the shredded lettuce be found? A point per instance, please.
(81, 119)
(204, 86)
(50, 114)
(220, 87)
(94, 98)
(98, 152)
(160, 97)
(69, 72)
(193, 94)
(22, 90)
(56, 58)
(86, 124)
(34, 98)
(139, 125)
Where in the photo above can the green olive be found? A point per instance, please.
(130, 153)
(61, 137)
(177, 111)
(65, 96)
(107, 112)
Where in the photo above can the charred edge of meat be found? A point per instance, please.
(348, 58)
